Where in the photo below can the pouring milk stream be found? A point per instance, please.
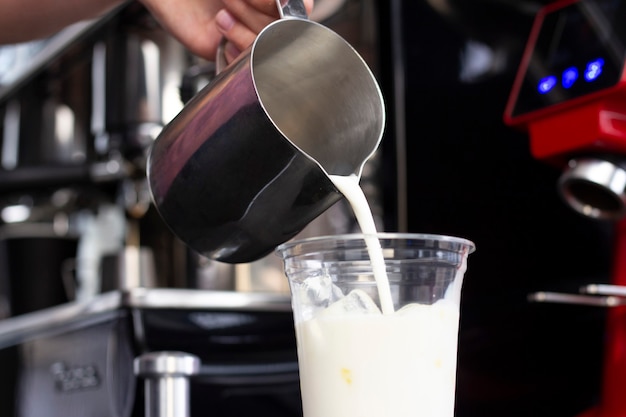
(350, 188)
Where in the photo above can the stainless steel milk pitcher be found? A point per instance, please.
(244, 166)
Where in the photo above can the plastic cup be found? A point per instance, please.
(357, 361)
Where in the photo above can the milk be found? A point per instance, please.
(349, 187)
(398, 365)
(378, 363)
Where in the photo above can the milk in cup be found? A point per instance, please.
(358, 359)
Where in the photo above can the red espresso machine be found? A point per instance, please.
(570, 96)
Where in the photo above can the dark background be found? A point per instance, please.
(470, 175)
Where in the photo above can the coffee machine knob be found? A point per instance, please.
(166, 382)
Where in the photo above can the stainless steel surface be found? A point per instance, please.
(244, 166)
(11, 135)
(595, 188)
(605, 289)
(166, 382)
(135, 82)
(157, 364)
(238, 339)
(28, 326)
(563, 298)
(81, 371)
(221, 300)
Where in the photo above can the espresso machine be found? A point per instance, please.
(103, 310)
(569, 95)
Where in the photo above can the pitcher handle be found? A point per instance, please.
(291, 8)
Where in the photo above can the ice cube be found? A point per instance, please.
(319, 290)
(357, 302)
(313, 293)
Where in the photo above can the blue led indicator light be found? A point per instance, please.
(569, 77)
(594, 69)
(546, 84)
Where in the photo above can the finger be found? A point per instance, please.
(201, 41)
(193, 25)
(254, 14)
(308, 4)
(238, 34)
(267, 7)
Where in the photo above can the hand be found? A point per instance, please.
(200, 25)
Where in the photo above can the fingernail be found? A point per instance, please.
(224, 20)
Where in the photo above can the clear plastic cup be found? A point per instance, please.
(359, 359)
